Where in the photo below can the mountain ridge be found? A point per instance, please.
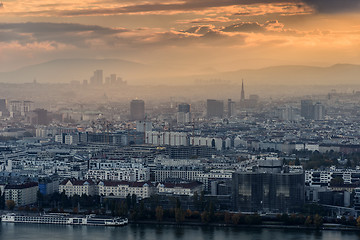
(65, 70)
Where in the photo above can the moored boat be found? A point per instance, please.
(64, 219)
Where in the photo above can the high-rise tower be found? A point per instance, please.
(214, 108)
(137, 110)
(183, 114)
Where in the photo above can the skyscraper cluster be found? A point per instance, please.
(98, 79)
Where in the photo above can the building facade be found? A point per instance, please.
(268, 192)
(73, 187)
(23, 194)
(137, 110)
(188, 189)
(122, 189)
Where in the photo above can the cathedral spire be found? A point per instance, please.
(242, 98)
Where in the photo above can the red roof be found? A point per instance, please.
(77, 182)
(22, 186)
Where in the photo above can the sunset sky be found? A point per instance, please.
(189, 35)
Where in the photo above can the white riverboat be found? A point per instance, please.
(64, 219)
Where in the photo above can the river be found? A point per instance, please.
(10, 231)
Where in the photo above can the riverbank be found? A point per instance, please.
(327, 227)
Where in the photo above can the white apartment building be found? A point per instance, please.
(23, 194)
(122, 174)
(176, 172)
(123, 188)
(324, 177)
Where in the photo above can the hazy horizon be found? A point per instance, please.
(175, 39)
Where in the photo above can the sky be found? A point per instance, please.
(194, 36)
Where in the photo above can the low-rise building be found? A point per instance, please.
(180, 188)
(123, 188)
(73, 187)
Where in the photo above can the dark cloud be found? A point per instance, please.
(66, 33)
(188, 5)
(88, 36)
(8, 36)
(170, 6)
(334, 6)
(47, 27)
(199, 29)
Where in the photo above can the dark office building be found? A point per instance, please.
(2, 105)
(41, 116)
(3, 109)
(307, 109)
(38, 117)
(215, 108)
(137, 110)
(187, 152)
(230, 108)
(184, 107)
(268, 192)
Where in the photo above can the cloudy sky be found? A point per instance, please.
(195, 36)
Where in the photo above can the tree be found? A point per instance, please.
(40, 198)
(205, 217)
(178, 203)
(133, 200)
(318, 221)
(285, 218)
(128, 200)
(196, 200)
(202, 200)
(188, 213)
(159, 212)
(142, 210)
(118, 209)
(253, 219)
(179, 215)
(124, 208)
(10, 204)
(75, 210)
(227, 217)
(236, 218)
(343, 220)
(308, 221)
(358, 222)
(211, 211)
(2, 201)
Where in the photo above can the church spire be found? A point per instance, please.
(242, 98)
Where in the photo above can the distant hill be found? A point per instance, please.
(66, 70)
(293, 75)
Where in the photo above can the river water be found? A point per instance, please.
(10, 231)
